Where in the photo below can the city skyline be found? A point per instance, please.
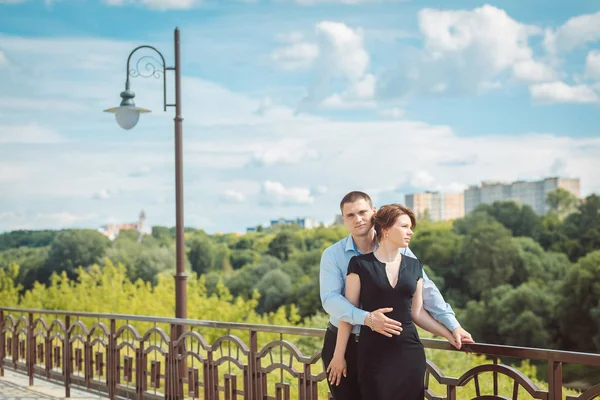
(289, 105)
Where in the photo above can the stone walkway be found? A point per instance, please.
(15, 386)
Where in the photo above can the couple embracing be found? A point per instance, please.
(375, 291)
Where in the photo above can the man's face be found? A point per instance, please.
(357, 217)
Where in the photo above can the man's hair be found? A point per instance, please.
(387, 215)
(355, 196)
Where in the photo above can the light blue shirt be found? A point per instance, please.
(332, 284)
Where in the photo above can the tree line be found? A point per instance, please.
(512, 277)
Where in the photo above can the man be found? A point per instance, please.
(357, 210)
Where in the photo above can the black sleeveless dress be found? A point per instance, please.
(389, 368)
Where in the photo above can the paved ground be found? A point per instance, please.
(15, 386)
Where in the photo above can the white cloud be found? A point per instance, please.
(13, 172)
(592, 64)
(489, 85)
(533, 71)
(342, 50)
(560, 92)
(394, 112)
(347, 2)
(422, 179)
(232, 196)
(290, 37)
(577, 31)
(31, 133)
(297, 154)
(3, 59)
(284, 152)
(342, 78)
(465, 51)
(276, 193)
(296, 56)
(159, 5)
(104, 194)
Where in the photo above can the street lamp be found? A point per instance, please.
(127, 116)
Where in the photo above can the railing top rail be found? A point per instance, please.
(479, 348)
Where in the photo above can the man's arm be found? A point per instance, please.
(434, 303)
(331, 287)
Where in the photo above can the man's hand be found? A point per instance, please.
(460, 337)
(382, 324)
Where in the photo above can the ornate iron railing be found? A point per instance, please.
(132, 356)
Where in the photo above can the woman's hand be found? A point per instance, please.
(335, 370)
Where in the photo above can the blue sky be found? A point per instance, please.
(289, 104)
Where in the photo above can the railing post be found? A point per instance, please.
(173, 368)
(111, 360)
(252, 363)
(67, 356)
(30, 350)
(2, 343)
(554, 380)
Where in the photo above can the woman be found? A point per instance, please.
(388, 367)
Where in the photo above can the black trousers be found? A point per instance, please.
(348, 388)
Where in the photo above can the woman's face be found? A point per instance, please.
(400, 233)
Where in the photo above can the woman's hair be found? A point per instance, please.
(386, 217)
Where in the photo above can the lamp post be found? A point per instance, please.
(127, 116)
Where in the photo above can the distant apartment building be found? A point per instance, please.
(304, 223)
(531, 193)
(437, 206)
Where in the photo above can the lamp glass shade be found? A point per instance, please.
(127, 117)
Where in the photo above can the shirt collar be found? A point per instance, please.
(351, 246)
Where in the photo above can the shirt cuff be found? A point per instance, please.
(450, 322)
(359, 316)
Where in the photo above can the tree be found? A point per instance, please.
(275, 288)
(520, 219)
(243, 281)
(9, 290)
(201, 254)
(487, 258)
(581, 230)
(163, 235)
(533, 263)
(579, 300)
(438, 246)
(74, 248)
(284, 244)
(562, 202)
(240, 258)
(519, 316)
(14, 239)
(30, 261)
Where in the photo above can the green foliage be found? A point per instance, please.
(15, 239)
(520, 316)
(512, 277)
(578, 311)
(284, 244)
(562, 202)
(487, 257)
(30, 261)
(520, 219)
(72, 249)
(163, 235)
(202, 254)
(9, 292)
(275, 289)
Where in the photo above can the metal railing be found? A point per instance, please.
(133, 356)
